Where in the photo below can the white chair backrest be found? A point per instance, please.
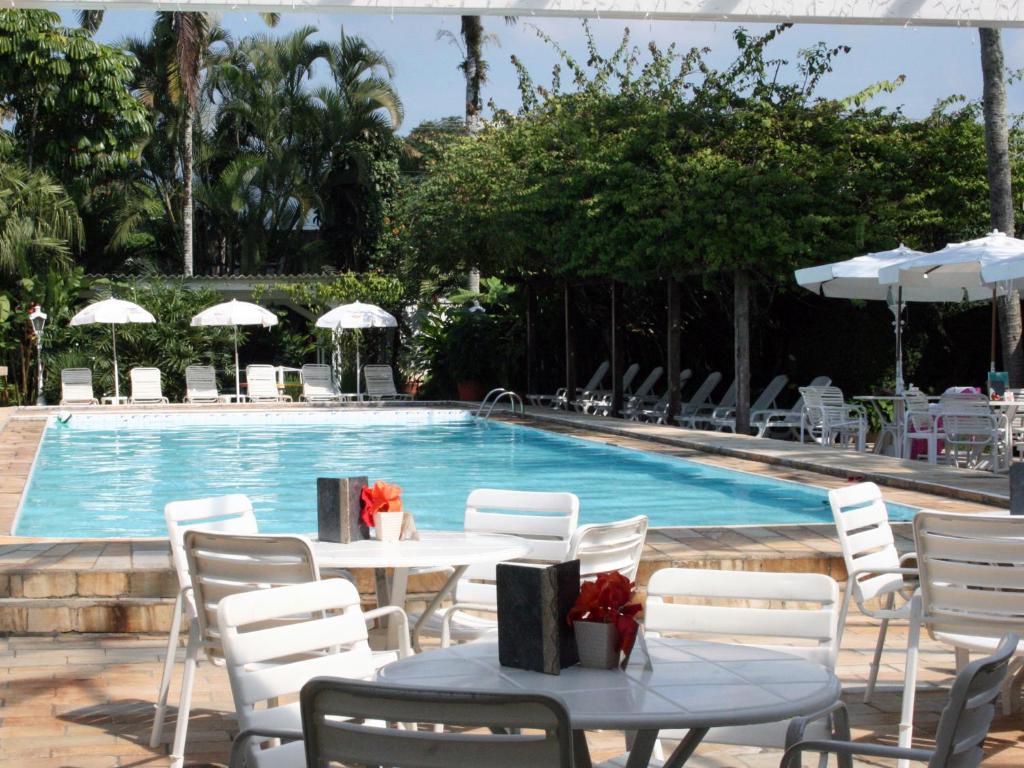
(662, 405)
(146, 384)
(261, 382)
(277, 639)
(972, 572)
(201, 383)
(816, 382)
(862, 522)
(76, 385)
(967, 416)
(918, 413)
(379, 380)
(614, 546)
(629, 376)
(215, 514)
(703, 393)
(801, 608)
(729, 398)
(546, 520)
(648, 384)
(223, 564)
(769, 394)
(598, 377)
(317, 381)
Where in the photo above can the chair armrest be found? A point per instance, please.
(798, 725)
(882, 572)
(791, 759)
(237, 755)
(907, 556)
(404, 648)
(448, 614)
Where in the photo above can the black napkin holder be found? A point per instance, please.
(339, 508)
(533, 602)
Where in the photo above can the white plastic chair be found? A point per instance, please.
(602, 405)
(318, 384)
(921, 423)
(972, 593)
(798, 613)
(261, 385)
(561, 397)
(590, 400)
(201, 385)
(546, 520)
(146, 389)
(876, 572)
(335, 715)
(724, 419)
(380, 383)
(701, 416)
(780, 418)
(276, 640)
(616, 546)
(637, 406)
(76, 387)
(829, 420)
(699, 399)
(974, 436)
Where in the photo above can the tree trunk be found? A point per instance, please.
(1000, 197)
(674, 362)
(187, 202)
(472, 68)
(741, 343)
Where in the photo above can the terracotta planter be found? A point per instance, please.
(387, 526)
(470, 390)
(597, 643)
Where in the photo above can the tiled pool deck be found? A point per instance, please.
(77, 698)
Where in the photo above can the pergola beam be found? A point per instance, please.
(980, 13)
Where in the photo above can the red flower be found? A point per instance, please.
(380, 497)
(606, 600)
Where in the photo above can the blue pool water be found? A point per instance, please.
(108, 475)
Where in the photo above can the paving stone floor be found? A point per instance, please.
(84, 701)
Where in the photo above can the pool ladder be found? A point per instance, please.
(495, 396)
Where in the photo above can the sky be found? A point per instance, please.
(937, 62)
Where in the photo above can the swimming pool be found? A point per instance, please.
(109, 475)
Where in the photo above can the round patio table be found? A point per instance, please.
(433, 550)
(691, 684)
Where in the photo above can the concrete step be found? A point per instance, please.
(20, 615)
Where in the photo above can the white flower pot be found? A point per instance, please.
(387, 526)
(597, 644)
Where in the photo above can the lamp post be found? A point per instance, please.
(38, 319)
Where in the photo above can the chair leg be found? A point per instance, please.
(1012, 687)
(157, 733)
(910, 679)
(185, 702)
(963, 658)
(876, 660)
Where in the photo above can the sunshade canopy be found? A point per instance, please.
(357, 315)
(855, 278)
(235, 312)
(112, 312)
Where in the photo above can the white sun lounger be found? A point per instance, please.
(380, 383)
(724, 419)
(146, 388)
(655, 409)
(699, 417)
(701, 398)
(201, 385)
(561, 399)
(779, 418)
(318, 385)
(76, 387)
(590, 400)
(261, 383)
(638, 399)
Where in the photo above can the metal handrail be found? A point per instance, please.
(513, 398)
(497, 392)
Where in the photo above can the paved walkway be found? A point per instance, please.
(87, 701)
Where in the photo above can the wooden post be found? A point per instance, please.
(741, 344)
(570, 350)
(618, 352)
(531, 310)
(674, 361)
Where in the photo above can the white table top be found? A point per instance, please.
(435, 549)
(693, 684)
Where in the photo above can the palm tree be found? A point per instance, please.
(997, 148)
(39, 223)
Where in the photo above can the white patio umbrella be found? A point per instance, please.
(976, 269)
(235, 313)
(113, 312)
(857, 278)
(356, 315)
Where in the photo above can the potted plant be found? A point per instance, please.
(604, 620)
(382, 510)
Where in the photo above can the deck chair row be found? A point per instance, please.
(318, 385)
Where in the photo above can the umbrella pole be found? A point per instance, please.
(995, 323)
(117, 383)
(359, 395)
(238, 385)
(900, 385)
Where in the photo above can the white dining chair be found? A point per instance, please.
(616, 546)
(975, 437)
(876, 574)
(278, 639)
(799, 613)
(921, 422)
(829, 420)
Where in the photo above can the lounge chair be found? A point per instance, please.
(653, 408)
(201, 385)
(146, 388)
(561, 398)
(724, 419)
(261, 381)
(589, 400)
(780, 418)
(380, 383)
(700, 416)
(699, 399)
(318, 385)
(76, 387)
(635, 401)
